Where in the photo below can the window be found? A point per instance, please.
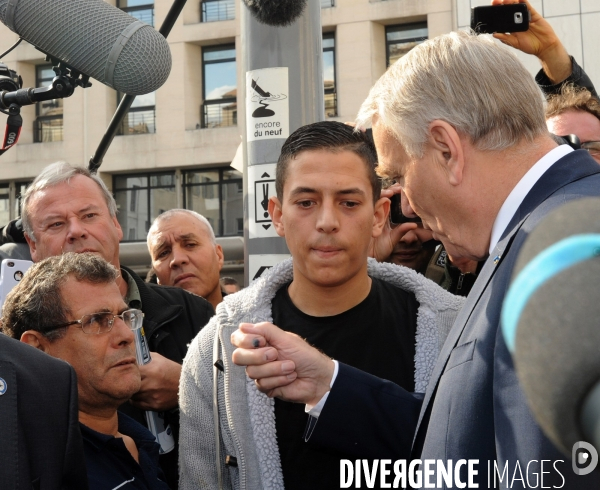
(48, 125)
(20, 188)
(217, 195)
(140, 9)
(4, 204)
(213, 10)
(327, 3)
(10, 201)
(400, 39)
(141, 118)
(140, 198)
(329, 74)
(220, 87)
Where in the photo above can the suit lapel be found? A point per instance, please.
(485, 276)
(9, 474)
(570, 168)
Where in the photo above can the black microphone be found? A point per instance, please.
(278, 13)
(94, 38)
(551, 323)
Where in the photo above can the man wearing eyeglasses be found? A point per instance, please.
(70, 307)
(576, 111)
(68, 209)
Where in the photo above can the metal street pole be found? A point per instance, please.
(283, 90)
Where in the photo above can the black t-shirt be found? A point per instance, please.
(377, 336)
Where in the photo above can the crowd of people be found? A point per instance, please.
(377, 340)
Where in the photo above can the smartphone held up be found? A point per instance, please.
(11, 273)
(500, 18)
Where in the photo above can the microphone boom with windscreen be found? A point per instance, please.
(94, 38)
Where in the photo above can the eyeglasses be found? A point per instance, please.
(592, 146)
(103, 322)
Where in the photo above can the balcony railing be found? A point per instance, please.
(48, 128)
(218, 114)
(138, 122)
(142, 13)
(214, 10)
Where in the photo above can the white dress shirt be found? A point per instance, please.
(520, 191)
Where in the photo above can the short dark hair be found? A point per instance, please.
(331, 136)
(228, 281)
(37, 303)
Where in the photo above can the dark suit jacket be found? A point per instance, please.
(474, 407)
(40, 442)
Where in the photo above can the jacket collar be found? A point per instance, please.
(157, 310)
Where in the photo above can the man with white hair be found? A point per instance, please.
(459, 123)
(186, 254)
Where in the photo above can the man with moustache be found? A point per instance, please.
(185, 253)
(70, 307)
(387, 319)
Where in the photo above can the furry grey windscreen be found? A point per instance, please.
(557, 345)
(278, 13)
(573, 218)
(557, 350)
(82, 34)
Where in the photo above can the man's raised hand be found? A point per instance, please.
(281, 363)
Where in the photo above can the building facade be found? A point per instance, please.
(175, 147)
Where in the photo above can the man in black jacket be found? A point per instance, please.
(41, 443)
(67, 209)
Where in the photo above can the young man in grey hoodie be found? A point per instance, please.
(386, 319)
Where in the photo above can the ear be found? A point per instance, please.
(35, 339)
(276, 215)
(118, 227)
(381, 213)
(447, 142)
(220, 255)
(32, 248)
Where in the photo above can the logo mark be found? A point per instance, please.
(11, 138)
(260, 96)
(584, 457)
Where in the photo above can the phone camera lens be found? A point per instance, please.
(518, 18)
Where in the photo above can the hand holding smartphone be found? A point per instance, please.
(11, 273)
